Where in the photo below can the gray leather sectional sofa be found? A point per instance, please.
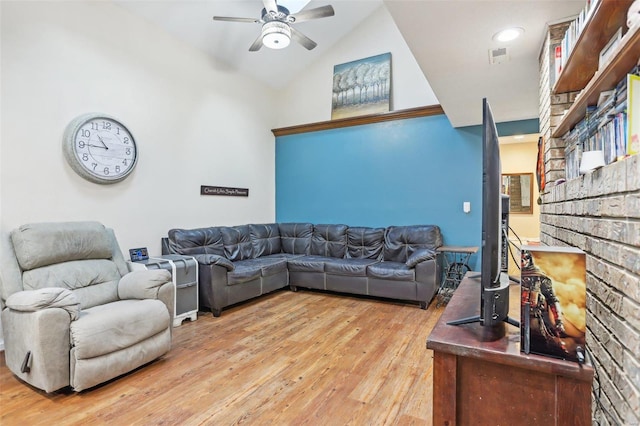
(237, 263)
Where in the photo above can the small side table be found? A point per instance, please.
(184, 273)
(456, 265)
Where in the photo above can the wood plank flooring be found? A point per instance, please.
(284, 359)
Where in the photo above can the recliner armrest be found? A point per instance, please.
(214, 259)
(44, 298)
(420, 255)
(144, 284)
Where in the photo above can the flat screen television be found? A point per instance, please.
(494, 289)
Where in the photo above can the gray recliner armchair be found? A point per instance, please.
(72, 314)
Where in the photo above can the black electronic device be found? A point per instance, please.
(504, 221)
(138, 254)
(494, 288)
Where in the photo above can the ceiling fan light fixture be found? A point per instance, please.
(276, 35)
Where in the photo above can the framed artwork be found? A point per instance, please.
(553, 296)
(362, 87)
(519, 188)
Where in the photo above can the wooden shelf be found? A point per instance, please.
(358, 121)
(623, 59)
(582, 64)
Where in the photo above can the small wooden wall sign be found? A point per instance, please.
(223, 190)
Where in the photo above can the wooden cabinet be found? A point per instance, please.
(481, 377)
(581, 69)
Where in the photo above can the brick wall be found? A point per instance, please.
(599, 213)
(552, 106)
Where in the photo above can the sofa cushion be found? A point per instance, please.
(93, 281)
(329, 240)
(237, 242)
(130, 321)
(265, 239)
(268, 265)
(43, 244)
(395, 271)
(401, 241)
(348, 267)
(309, 263)
(196, 241)
(295, 237)
(365, 243)
(244, 271)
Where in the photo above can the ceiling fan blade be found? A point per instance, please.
(231, 19)
(256, 44)
(270, 5)
(318, 12)
(302, 39)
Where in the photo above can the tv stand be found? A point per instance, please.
(482, 379)
(477, 318)
(494, 306)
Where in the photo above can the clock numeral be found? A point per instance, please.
(86, 133)
(117, 169)
(125, 140)
(94, 125)
(117, 130)
(124, 162)
(81, 144)
(128, 151)
(85, 157)
(106, 125)
(106, 170)
(94, 165)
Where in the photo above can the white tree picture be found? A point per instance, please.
(362, 87)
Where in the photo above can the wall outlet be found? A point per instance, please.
(466, 207)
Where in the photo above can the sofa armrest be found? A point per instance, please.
(420, 255)
(144, 284)
(214, 259)
(43, 361)
(44, 298)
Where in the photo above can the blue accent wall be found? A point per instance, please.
(404, 172)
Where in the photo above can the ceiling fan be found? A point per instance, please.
(277, 30)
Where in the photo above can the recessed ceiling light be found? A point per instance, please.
(508, 34)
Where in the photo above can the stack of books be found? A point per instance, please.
(603, 128)
(563, 51)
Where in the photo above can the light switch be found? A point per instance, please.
(466, 207)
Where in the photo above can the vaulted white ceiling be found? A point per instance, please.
(450, 40)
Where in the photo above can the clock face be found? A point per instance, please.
(100, 149)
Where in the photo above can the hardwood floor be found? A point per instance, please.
(283, 359)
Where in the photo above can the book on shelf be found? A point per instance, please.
(633, 114)
(613, 126)
(573, 33)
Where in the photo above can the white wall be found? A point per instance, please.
(521, 158)
(194, 124)
(308, 98)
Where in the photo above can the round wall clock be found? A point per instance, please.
(99, 148)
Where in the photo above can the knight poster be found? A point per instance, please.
(553, 301)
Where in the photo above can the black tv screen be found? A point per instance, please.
(494, 306)
(494, 289)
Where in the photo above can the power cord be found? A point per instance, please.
(597, 393)
(511, 243)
